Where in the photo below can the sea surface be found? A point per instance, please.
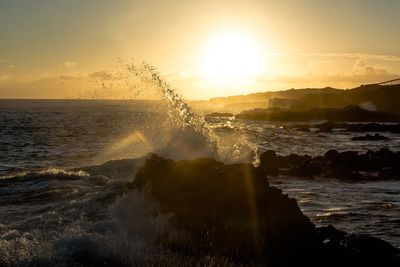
(52, 209)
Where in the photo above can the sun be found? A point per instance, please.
(231, 59)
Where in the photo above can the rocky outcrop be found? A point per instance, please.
(382, 164)
(230, 211)
(348, 113)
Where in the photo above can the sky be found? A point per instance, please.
(67, 49)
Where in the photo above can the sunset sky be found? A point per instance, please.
(60, 49)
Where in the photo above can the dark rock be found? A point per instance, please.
(343, 165)
(227, 209)
(308, 168)
(268, 162)
(326, 126)
(230, 211)
(332, 155)
(389, 173)
(347, 113)
(302, 128)
(358, 250)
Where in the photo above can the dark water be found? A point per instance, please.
(50, 213)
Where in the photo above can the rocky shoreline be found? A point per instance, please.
(351, 165)
(232, 213)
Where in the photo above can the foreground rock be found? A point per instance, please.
(382, 164)
(230, 211)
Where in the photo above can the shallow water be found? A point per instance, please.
(52, 214)
(357, 207)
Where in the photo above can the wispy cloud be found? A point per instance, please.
(354, 55)
(3, 61)
(103, 75)
(70, 64)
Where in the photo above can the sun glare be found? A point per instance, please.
(232, 58)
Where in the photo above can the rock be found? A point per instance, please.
(302, 128)
(343, 165)
(231, 212)
(227, 209)
(325, 127)
(357, 250)
(369, 137)
(332, 155)
(269, 163)
(389, 173)
(308, 168)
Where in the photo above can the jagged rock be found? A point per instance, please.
(230, 211)
(268, 161)
(332, 155)
(334, 164)
(227, 209)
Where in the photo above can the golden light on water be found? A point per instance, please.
(134, 138)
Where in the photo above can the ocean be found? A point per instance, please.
(51, 209)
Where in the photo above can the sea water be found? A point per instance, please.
(53, 211)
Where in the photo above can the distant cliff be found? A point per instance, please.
(384, 98)
(349, 113)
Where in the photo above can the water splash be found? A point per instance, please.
(189, 119)
(191, 135)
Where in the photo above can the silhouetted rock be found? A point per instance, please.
(358, 250)
(347, 113)
(326, 126)
(268, 161)
(302, 128)
(332, 155)
(344, 165)
(230, 211)
(369, 137)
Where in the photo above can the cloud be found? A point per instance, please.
(70, 64)
(11, 66)
(361, 67)
(354, 55)
(3, 61)
(71, 77)
(104, 75)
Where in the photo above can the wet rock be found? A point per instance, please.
(389, 173)
(332, 155)
(334, 164)
(230, 211)
(269, 162)
(308, 168)
(357, 250)
(326, 127)
(369, 137)
(227, 209)
(302, 128)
